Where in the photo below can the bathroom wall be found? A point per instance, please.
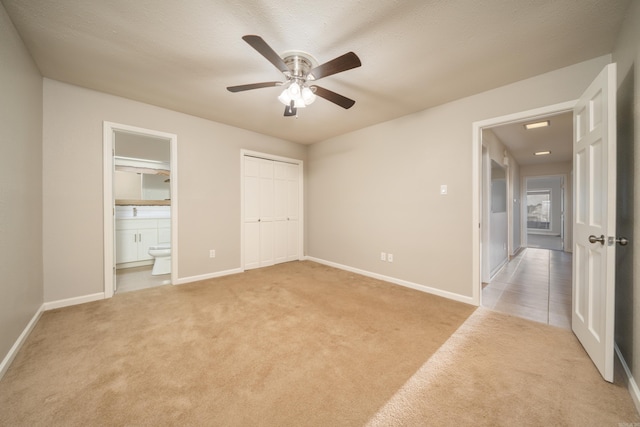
(208, 185)
(21, 291)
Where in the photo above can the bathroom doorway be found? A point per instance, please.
(140, 196)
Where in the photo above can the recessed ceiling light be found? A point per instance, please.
(536, 125)
(541, 153)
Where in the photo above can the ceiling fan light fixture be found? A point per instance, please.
(294, 90)
(285, 97)
(308, 96)
(300, 95)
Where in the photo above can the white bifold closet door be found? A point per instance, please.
(271, 212)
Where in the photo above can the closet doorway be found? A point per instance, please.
(272, 209)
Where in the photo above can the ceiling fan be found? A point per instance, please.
(300, 71)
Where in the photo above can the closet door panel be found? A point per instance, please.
(293, 213)
(251, 213)
(266, 243)
(293, 251)
(280, 192)
(292, 200)
(251, 245)
(251, 189)
(280, 245)
(280, 184)
(266, 190)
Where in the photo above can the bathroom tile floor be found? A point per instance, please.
(536, 285)
(136, 278)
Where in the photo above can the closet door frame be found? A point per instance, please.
(244, 153)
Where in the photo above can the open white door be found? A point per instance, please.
(594, 156)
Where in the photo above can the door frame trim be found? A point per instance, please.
(109, 129)
(476, 176)
(300, 163)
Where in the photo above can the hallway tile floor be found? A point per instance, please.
(536, 285)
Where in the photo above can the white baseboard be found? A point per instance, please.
(190, 279)
(407, 284)
(21, 339)
(632, 386)
(499, 268)
(73, 301)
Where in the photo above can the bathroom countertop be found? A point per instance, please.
(126, 202)
(147, 216)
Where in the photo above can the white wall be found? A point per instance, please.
(208, 185)
(497, 152)
(516, 203)
(21, 293)
(377, 189)
(498, 219)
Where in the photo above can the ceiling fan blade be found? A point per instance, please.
(290, 110)
(336, 98)
(337, 65)
(265, 50)
(241, 88)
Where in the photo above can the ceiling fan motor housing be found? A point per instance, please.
(299, 65)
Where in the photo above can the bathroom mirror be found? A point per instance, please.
(132, 185)
(142, 170)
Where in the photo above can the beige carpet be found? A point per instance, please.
(499, 370)
(300, 344)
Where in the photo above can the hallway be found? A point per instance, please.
(535, 285)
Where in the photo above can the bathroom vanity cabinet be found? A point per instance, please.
(134, 236)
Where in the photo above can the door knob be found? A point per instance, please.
(622, 241)
(594, 239)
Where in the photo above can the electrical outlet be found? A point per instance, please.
(383, 256)
(212, 253)
(390, 257)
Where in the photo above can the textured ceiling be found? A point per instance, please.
(416, 54)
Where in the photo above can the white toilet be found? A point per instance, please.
(162, 255)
